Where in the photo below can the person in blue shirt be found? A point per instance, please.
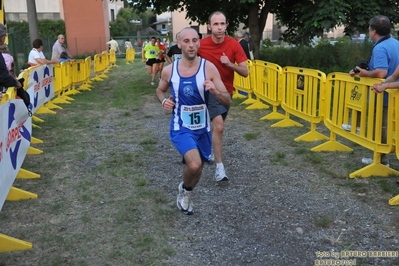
(63, 57)
(382, 64)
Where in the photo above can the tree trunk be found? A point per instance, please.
(32, 20)
(256, 23)
(253, 26)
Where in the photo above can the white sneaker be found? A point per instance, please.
(184, 200)
(220, 174)
(370, 161)
(152, 83)
(367, 160)
(347, 127)
(211, 158)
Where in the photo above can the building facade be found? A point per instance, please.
(16, 10)
(86, 22)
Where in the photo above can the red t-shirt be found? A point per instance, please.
(212, 52)
(161, 47)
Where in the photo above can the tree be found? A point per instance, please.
(306, 19)
(123, 24)
(303, 18)
(249, 12)
(32, 20)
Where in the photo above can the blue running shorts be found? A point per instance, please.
(187, 140)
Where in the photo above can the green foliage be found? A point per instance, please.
(199, 11)
(119, 27)
(21, 29)
(305, 19)
(47, 28)
(340, 57)
(266, 43)
(122, 26)
(302, 19)
(51, 28)
(48, 32)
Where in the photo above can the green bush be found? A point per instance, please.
(341, 56)
(48, 29)
(48, 32)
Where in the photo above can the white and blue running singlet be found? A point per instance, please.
(190, 97)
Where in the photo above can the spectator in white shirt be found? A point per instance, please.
(36, 56)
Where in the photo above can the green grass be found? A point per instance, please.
(324, 222)
(279, 158)
(251, 135)
(355, 185)
(96, 206)
(386, 185)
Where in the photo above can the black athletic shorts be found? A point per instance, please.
(151, 61)
(215, 108)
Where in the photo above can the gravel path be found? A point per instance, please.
(270, 213)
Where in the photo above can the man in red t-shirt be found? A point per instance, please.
(228, 57)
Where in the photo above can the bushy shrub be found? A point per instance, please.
(266, 43)
(326, 56)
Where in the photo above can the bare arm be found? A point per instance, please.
(389, 82)
(168, 59)
(214, 84)
(376, 73)
(382, 86)
(167, 103)
(143, 54)
(240, 68)
(394, 77)
(44, 61)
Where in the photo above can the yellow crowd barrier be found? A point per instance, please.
(87, 82)
(351, 99)
(130, 55)
(107, 65)
(67, 80)
(78, 74)
(242, 85)
(61, 98)
(99, 67)
(335, 100)
(267, 88)
(394, 123)
(303, 96)
(112, 58)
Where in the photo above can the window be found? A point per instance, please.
(112, 15)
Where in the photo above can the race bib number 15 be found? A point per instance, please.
(193, 117)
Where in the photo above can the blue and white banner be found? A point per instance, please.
(40, 85)
(16, 125)
(15, 136)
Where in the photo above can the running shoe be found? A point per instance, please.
(184, 200)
